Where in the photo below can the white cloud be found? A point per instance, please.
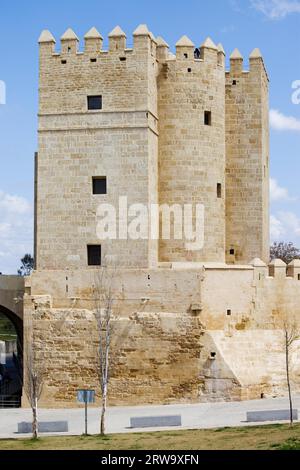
(16, 231)
(13, 204)
(228, 29)
(278, 193)
(276, 9)
(280, 122)
(285, 226)
(277, 230)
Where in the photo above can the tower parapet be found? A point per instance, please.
(93, 41)
(69, 42)
(162, 49)
(236, 63)
(221, 55)
(185, 48)
(209, 51)
(117, 40)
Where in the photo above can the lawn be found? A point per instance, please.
(274, 437)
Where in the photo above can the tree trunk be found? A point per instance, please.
(35, 421)
(288, 380)
(103, 411)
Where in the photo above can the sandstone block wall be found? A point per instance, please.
(149, 351)
(211, 333)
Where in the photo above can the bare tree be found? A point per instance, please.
(291, 334)
(34, 377)
(285, 251)
(105, 318)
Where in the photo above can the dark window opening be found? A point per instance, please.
(189, 70)
(63, 62)
(69, 49)
(213, 355)
(95, 102)
(93, 60)
(99, 185)
(234, 82)
(197, 53)
(94, 255)
(298, 277)
(122, 59)
(186, 56)
(207, 118)
(228, 313)
(232, 252)
(219, 190)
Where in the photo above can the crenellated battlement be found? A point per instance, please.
(237, 65)
(277, 269)
(144, 40)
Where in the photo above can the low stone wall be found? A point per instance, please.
(211, 333)
(155, 357)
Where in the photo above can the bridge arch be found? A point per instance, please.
(11, 359)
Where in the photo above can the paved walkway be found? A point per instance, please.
(200, 416)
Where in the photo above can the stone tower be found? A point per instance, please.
(192, 143)
(118, 142)
(153, 127)
(247, 160)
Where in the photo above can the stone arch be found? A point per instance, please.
(11, 392)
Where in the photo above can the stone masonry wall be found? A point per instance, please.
(219, 337)
(148, 350)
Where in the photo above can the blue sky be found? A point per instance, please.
(271, 25)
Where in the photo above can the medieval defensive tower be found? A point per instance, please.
(156, 128)
(144, 126)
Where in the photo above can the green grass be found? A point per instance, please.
(274, 437)
(7, 330)
(8, 337)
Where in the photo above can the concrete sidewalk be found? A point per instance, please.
(200, 416)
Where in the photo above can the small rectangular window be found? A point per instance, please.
(207, 118)
(219, 190)
(94, 102)
(99, 185)
(232, 252)
(298, 277)
(94, 255)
